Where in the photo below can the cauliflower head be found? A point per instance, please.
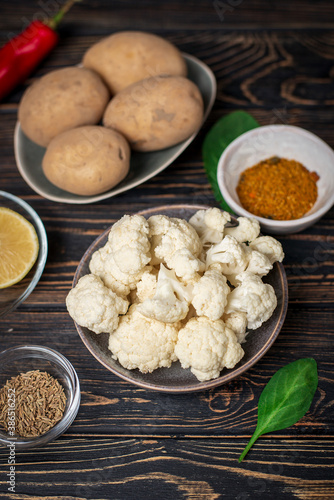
(206, 347)
(170, 234)
(270, 247)
(210, 225)
(143, 343)
(210, 295)
(92, 305)
(247, 230)
(171, 300)
(253, 297)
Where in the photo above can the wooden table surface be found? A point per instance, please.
(275, 60)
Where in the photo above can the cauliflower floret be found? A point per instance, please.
(124, 258)
(94, 306)
(210, 295)
(171, 300)
(252, 296)
(229, 256)
(168, 235)
(103, 264)
(207, 347)
(130, 244)
(99, 265)
(269, 247)
(185, 264)
(247, 230)
(127, 279)
(146, 286)
(143, 343)
(258, 263)
(210, 225)
(237, 321)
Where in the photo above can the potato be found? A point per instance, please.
(87, 160)
(156, 113)
(129, 56)
(61, 100)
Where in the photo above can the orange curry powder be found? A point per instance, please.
(277, 188)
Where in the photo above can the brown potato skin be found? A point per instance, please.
(61, 100)
(156, 113)
(87, 160)
(129, 56)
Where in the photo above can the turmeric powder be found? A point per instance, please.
(277, 188)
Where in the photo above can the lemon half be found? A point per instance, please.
(18, 247)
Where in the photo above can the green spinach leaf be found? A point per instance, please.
(223, 132)
(286, 398)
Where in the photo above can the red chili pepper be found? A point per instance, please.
(22, 54)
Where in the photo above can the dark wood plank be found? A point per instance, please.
(174, 469)
(103, 16)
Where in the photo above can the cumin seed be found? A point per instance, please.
(40, 402)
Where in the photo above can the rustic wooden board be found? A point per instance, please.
(274, 59)
(132, 467)
(101, 16)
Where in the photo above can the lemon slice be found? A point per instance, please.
(18, 247)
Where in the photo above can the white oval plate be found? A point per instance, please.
(143, 166)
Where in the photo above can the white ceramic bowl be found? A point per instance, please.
(288, 142)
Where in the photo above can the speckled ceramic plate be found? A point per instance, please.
(176, 379)
(143, 166)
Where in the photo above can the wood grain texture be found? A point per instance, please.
(274, 59)
(178, 469)
(112, 406)
(102, 16)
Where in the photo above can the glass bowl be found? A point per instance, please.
(20, 359)
(14, 295)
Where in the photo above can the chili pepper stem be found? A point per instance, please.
(54, 21)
